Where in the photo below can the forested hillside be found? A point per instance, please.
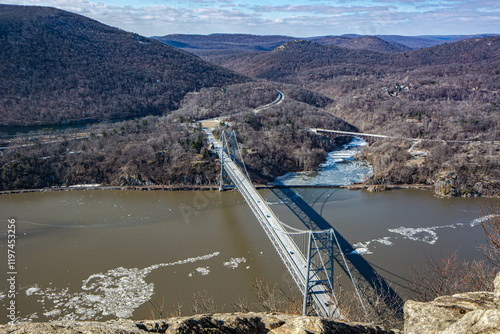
(57, 66)
(172, 150)
(371, 43)
(60, 67)
(298, 56)
(215, 46)
(447, 92)
(224, 41)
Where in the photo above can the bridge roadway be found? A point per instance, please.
(347, 133)
(290, 254)
(360, 134)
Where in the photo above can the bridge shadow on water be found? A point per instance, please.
(362, 268)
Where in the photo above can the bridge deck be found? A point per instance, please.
(290, 254)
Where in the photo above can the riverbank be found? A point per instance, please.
(380, 188)
(99, 187)
(180, 187)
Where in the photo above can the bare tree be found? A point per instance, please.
(203, 303)
(370, 305)
(447, 276)
(277, 299)
(491, 227)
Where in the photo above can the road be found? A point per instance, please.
(290, 254)
(354, 134)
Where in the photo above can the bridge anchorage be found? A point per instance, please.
(308, 255)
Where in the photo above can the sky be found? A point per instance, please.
(302, 18)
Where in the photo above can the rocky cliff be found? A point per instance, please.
(473, 312)
(236, 323)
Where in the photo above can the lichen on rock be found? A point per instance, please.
(471, 312)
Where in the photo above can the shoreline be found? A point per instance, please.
(356, 186)
(381, 188)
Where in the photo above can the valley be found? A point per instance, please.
(443, 91)
(92, 116)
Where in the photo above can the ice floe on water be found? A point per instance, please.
(117, 292)
(360, 248)
(481, 220)
(32, 290)
(203, 270)
(384, 241)
(421, 234)
(427, 235)
(339, 168)
(234, 262)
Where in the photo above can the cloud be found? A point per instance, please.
(304, 18)
(323, 10)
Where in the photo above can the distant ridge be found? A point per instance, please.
(418, 42)
(296, 57)
(371, 43)
(56, 66)
(224, 41)
(224, 44)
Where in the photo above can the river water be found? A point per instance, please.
(103, 254)
(340, 168)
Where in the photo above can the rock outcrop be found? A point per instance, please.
(236, 323)
(472, 312)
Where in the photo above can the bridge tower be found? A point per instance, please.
(320, 262)
(229, 147)
(307, 254)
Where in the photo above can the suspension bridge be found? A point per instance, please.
(307, 254)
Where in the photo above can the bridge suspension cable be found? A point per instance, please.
(308, 255)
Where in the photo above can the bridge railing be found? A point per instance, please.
(306, 260)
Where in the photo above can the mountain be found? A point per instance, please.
(466, 51)
(294, 58)
(199, 44)
(224, 41)
(297, 57)
(216, 46)
(413, 42)
(371, 43)
(419, 42)
(56, 66)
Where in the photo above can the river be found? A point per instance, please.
(103, 254)
(340, 168)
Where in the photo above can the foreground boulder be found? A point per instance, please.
(472, 312)
(237, 323)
